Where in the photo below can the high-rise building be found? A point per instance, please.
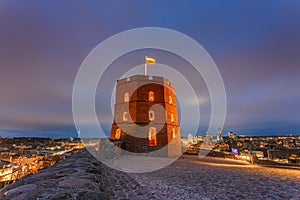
(78, 133)
(146, 117)
(220, 137)
(208, 140)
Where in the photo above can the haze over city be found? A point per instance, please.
(254, 45)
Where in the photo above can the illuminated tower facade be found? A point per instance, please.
(146, 117)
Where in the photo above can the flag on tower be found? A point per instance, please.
(150, 61)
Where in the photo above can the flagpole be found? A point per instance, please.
(145, 68)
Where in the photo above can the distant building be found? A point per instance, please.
(220, 137)
(208, 140)
(190, 138)
(78, 133)
(7, 173)
(282, 153)
(231, 135)
(198, 139)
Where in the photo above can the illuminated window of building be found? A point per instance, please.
(118, 134)
(172, 117)
(126, 97)
(151, 115)
(125, 116)
(152, 136)
(170, 99)
(173, 133)
(151, 96)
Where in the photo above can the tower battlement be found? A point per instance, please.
(141, 78)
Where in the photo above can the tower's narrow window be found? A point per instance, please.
(126, 97)
(125, 116)
(170, 99)
(152, 136)
(151, 96)
(118, 134)
(173, 133)
(151, 115)
(172, 117)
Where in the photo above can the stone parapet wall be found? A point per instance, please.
(80, 176)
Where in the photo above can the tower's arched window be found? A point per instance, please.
(151, 115)
(152, 136)
(170, 99)
(126, 97)
(125, 116)
(173, 133)
(118, 134)
(151, 96)
(172, 117)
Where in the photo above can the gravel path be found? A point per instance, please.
(214, 178)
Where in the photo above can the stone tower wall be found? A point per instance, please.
(133, 136)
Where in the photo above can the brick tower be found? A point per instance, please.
(146, 117)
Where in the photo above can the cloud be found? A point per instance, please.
(255, 45)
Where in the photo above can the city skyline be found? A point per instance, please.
(255, 46)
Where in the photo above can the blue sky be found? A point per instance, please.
(255, 45)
